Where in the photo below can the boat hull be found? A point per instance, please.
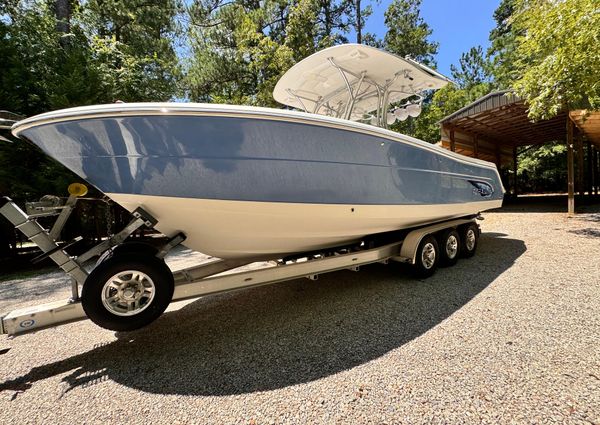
(264, 230)
(252, 182)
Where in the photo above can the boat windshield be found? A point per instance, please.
(358, 83)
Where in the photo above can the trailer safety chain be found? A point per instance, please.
(108, 218)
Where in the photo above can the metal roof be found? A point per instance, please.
(492, 100)
(588, 123)
(502, 117)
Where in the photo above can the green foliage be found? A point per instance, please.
(439, 105)
(357, 15)
(557, 55)
(472, 80)
(542, 169)
(473, 69)
(131, 44)
(26, 173)
(114, 50)
(234, 53)
(408, 33)
(549, 52)
(240, 49)
(111, 50)
(104, 50)
(503, 40)
(39, 73)
(333, 20)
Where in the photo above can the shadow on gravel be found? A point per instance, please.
(590, 217)
(589, 233)
(286, 334)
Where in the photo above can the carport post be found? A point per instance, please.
(580, 164)
(595, 176)
(590, 179)
(570, 168)
(515, 168)
(597, 171)
(498, 158)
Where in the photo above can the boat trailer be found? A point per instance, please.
(207, 278)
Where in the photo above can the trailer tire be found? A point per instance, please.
(427, 257)
(469, 235)
(127, 291)
(450, 246)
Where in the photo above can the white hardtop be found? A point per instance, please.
(353, 80)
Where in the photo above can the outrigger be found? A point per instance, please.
(130, 285)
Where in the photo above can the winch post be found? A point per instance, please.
(39, 236)
(63, 217)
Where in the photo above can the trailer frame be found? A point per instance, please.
(207, 278)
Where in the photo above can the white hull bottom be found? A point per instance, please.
(267, 230)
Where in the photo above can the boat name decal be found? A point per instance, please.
(481, 188)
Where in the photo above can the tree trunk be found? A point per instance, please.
(358, 23)
(62, 10)
(326, 18)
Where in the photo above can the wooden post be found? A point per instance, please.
(580, 164)
(597, 167)
(597, 171)
(515, 168)
(452, 142)
(475, 147)
(570, 168)
(499, 165)
(590, 170)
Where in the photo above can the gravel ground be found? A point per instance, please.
(509, 336)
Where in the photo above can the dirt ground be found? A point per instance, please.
(511, 335)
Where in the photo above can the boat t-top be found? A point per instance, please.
(357, 83)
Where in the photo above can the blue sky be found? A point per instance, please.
(457, 25)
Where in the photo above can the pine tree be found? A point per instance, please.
(408, 33)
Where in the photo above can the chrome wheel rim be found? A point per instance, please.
(428, 255)
(470, 240)
(451, 246)
(128, 293)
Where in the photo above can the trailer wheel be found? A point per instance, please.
(427, 257)
(450, 245)
(127, 291)
(469, 235)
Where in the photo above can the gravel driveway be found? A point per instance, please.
(509, 336)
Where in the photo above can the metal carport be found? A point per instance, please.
(494, 126)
